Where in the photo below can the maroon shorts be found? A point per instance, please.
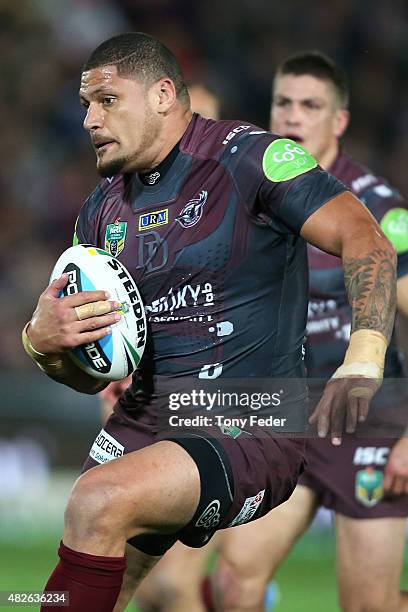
(242, 476)
(349, 478)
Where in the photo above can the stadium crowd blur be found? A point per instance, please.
(47, 165)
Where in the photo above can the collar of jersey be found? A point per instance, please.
(157, 174)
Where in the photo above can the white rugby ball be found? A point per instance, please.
(117, 355)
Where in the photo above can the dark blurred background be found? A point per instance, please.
(47, 167)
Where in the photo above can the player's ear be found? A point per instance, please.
(164, 95)
(341, 121)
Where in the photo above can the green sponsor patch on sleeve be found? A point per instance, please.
(284, 159)
(394, 224)
(75, 240)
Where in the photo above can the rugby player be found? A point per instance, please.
(174, 584)
(219, 276)
(365, 480)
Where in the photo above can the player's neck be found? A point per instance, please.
(154, 176)
(327, 159)
(172, 133)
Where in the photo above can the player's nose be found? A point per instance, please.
(293, 116)
(93, 118)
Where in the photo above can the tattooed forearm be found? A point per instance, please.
(371, 287)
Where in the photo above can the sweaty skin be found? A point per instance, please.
(124, 120)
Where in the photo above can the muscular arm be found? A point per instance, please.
(344, 227)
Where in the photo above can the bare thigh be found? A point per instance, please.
(369, 563)
(264, 543)
(250, 554)
(152, 490)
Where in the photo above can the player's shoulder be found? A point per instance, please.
(208, 139)
(361, 180)
(107, 188)
(383, 200)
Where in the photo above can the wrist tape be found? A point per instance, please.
(365, 356)
(51, 363)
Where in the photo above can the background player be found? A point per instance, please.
(164, 489)
(310, 105)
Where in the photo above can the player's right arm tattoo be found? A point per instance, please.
(371, 287)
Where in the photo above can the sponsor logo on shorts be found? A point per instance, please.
(115, 237)
(153, 219)
(251, 505)
(105, 448)
(211, 515)
(192, 212)
(371, 455)
(369, 486)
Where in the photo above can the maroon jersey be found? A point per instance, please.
(329, 317)
(213, 244)
(349, 479)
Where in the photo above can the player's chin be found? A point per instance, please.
(110, 168)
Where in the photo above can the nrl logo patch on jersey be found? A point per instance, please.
(115, 237)
(193, 210)
(153, 219)
(369, 487)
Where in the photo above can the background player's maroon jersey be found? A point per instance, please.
(329, 318)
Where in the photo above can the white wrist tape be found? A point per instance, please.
(365, 356)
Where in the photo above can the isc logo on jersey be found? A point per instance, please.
(238, 129)
(117, 355)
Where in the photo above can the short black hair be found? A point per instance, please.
(141, 56)
(322, 67)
